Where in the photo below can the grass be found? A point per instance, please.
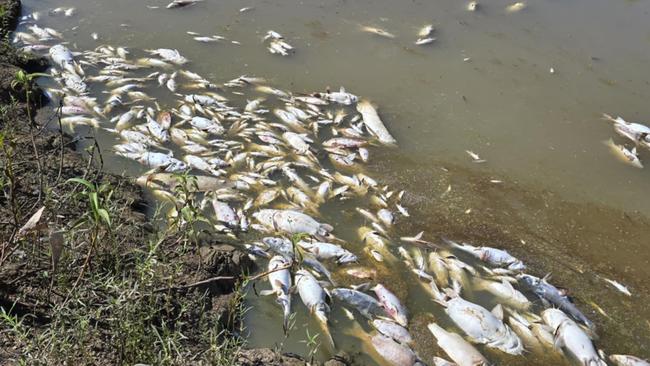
(93, 282)
(112, 308)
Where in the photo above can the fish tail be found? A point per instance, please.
(327, 335)
(287, 316)
(608, 117)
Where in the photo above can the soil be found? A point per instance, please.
(41, 160)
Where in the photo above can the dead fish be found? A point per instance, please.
(620, 287)
(569, 336)
(367, 305)
(493, 256)
(475, 157)
(392, 330)
(374, 124)
(280, 280)
(395, 353)
(377, 31)
(626, 360)
(425, 31)
(325, 251)
(481, 325)
(169, 55)
(624, 155)
(458, 349)
(636, 132)
(552, 295)
(313, 296)
(361, 272)
(181, 3)
(292, 222)
(424, 41)
(516, 7)
(341, 96)
(271, 34)
(391, 304)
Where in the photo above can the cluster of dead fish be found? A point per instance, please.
(267, 160)
(424, 34)
(277, 44)
(637, 133)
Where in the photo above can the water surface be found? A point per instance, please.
(565, 206)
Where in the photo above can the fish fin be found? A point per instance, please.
(548, 275)
(450, 242)
(498, 311)
(439, 297)
(328, 294)
(342, 90)
(457, 287)
(634, 150)
(558, 343)
(281, 285)
(326, 228)
(361, 287)
(267, 292)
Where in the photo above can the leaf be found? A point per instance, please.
(38, 75)
(94, 204)
(31, 223)
(105, 216)
(82, 182)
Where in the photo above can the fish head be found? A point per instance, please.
(529, 280)
(554, 317)
(347, 258)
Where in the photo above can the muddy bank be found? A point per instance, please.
(85, 276)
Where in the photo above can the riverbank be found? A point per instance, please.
(86, 274)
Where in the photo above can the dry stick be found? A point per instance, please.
(195, 284)
(58, 116)
(31, 136)
(220, 278)
(83, 269)
(269, 272)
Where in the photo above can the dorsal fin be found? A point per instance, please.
(498, 311)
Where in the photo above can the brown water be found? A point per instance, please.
(566, 205)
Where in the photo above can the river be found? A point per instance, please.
(524, 90)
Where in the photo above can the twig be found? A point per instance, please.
(195, 284)
(220, 278)
(83, 269)
(269, 272)
(58, 115)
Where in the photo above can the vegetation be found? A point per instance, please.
(85, 278)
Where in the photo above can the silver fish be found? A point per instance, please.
(280, 279)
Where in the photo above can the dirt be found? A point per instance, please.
(36, 274)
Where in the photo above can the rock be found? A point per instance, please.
(341, 359)
(225, 260)
(221, 260)
(267, 357)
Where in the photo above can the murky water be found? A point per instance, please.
(566, 205)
